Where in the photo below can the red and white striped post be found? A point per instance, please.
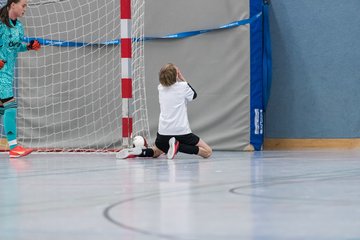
(126, 79)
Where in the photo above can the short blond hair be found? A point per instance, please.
(168, 75)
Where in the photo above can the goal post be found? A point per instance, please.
(134, 112)
(70, 93)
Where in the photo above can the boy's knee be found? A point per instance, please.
(208, 152)
(205, 152)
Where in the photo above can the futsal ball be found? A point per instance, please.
(139, 141)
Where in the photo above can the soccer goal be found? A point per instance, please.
(70, 94)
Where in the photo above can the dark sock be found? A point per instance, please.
(147, 152)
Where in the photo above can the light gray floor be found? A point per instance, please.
(234, 195)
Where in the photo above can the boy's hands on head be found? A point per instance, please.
(179, 75)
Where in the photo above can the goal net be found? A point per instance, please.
(69, 92)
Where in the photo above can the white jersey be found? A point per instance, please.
(173, 119)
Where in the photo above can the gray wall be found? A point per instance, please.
(316, 69)
(216, 64)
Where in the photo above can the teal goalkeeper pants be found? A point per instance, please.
(8, 111)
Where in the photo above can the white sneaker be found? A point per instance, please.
(173, 148)
(129, 153)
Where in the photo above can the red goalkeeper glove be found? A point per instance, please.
(2, 63)
(34, 45)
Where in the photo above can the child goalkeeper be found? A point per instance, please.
(174, 133)
(11, 37)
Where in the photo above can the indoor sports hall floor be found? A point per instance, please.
(234, 195)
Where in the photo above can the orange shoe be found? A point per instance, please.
(19, 151)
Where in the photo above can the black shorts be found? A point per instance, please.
(162, 141)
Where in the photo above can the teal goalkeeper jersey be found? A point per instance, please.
(11, 42)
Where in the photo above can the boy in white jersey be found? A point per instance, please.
(174, 133)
